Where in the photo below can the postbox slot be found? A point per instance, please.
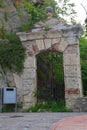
(9, 89)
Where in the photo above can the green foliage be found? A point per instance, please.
(26, 27)
(47, 27)
(65, 8)
(6, 15)
(2, 30)
(49, 106)
(8, 108)
(83, 55)
(12, 53)
(2, 3)
(86, 26)
(36, 13)
(2, 33)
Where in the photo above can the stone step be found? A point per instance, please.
(81, 104)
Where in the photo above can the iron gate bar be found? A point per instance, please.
(54, 80)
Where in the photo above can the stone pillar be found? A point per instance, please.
(29, 82)
(72, 74)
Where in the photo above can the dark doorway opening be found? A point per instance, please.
(50, 76)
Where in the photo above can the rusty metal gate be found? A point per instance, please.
(50, 76)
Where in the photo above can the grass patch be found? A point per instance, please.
(49, 106)
(8, 108)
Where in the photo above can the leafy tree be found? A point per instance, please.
(66, 8)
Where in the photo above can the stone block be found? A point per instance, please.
(47, 43)
(38, 35)
(40, 44)
(71, 59)
(63, 44)
(24, 36)
(73, 82)
(72, 40)
(70, 100)
(27, 82)
(29, 73)
(30, 62)
(80, 104)
(53, 34)
(72, 71)
(56, 40)
(72, 31)
(26, 89)
(72, 49)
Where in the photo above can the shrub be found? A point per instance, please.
(12, 53)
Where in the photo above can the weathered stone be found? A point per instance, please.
(47, 43)
(29, 73)
(27, 81)
(72, 31)
(70, 100)
(40, 44)
(72, 71)
(26, 89)
(63, 44)
(72, 82)
(12, 22)
(10, 79)
(30, 62)
(80, 104)
(71, 59)
(72, 49)
(53, 34)
(72, 40)
(56, 40)
(52, 22)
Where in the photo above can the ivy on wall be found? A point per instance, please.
(12, 53)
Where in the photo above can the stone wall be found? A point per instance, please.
(13, 14)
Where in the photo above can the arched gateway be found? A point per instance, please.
(59, 37)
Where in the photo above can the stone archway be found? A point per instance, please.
(59, 37)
